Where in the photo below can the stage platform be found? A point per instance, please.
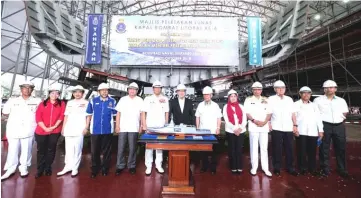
(223, 184)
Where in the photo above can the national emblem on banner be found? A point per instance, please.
(121, 27)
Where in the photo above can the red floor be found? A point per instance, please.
(223, 184)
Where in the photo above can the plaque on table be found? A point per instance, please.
(178, 130)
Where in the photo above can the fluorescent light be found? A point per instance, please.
(317, 17)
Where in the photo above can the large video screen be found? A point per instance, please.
(174, 40)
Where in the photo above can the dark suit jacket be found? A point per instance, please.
(187, 117)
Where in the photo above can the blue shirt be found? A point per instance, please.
(102, 112)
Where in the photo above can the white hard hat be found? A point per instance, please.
(305, 89)
(77, 88)
(55, 87)
(256, 85)
(329, 83)
(279, 83)
(181, 87)
(103, 86)
(27, 82)
(207, 90)
(133, 85)
(232, 92)
(157, 83)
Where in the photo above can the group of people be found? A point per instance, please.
(312, 123)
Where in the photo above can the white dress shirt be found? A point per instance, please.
(21, 122)
(155, 110)
(76, 121)
(308, 118)
(130, 110)
(282, 110)
(231, 127)
(181, 104)
(258, 108)
(331, 110)
(208, 115)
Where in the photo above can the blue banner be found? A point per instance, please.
(93, 51)
(254, 40)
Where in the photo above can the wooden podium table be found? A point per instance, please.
(179, 146)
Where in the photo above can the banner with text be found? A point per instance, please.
(93, 50)
(254, 40)
(174, 40)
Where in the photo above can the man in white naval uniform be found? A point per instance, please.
(20, 130)
(155, 114)
(258, 113)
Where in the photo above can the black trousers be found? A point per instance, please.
(205, 161)
(280, 138)
(336, 133)
(101, 144)
(306, 146)
(46, 145)
(235, 150)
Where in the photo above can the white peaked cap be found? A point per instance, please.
(26, 82)
(157, 83)
(279, 83)
(207, 90)
(329, 83)
(103, 86)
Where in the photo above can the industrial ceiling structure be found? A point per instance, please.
(41, 41)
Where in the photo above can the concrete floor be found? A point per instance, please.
(223, 184)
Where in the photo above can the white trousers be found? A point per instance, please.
(259, 139)
(25, 146)
(149, 158)
(73, 151)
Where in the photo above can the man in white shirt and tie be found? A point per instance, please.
(309, 129)
(283, 124)
(333, 113)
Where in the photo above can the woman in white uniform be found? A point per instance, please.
(20, 129)
(74, 130)
(236, 121)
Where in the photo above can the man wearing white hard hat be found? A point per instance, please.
(155, 114)
(309, 129)
(20, 130)
(333, 113)
(128, 126)
(74, 129)
(208, 116)
(235, 125)
(181, 108)
(283, 126)
(258, 113)
(101, 111)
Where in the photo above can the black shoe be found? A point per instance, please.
(38, 174)
(303, 172)
(48, 172)
(213, 172)
(132, 171)
(324, 173)
(277, 172)
(234, 172)
(74, 175)
(93, 175)
(344, 175)
(293, 172)
(104, 173)
(24, 176)
(314, 173)
(203, 170)
(118, 171)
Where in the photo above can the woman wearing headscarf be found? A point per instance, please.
(49, 119)
(74, 130)
(235, 120)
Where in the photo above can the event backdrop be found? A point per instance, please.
(174, 40)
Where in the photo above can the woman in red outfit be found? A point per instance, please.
(49, 117)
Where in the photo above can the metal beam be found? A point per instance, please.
(13, 41)
(12, 14)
